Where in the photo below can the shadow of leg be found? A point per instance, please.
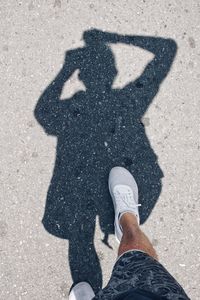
(83, 259)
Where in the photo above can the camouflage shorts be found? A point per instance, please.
(137, 270)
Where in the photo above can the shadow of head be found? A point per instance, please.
(96, 63)
(97, 68)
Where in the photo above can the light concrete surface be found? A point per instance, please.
(34, 38)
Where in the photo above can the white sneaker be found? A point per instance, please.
(81, 291)
(124, 193)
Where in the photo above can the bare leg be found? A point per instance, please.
(133, 237)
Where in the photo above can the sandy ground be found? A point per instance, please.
(34, 38)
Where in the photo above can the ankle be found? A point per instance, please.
(128, 220)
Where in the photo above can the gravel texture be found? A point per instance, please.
(35, 36)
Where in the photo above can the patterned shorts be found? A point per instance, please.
(137, 270)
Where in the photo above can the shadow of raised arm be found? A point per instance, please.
(147, 84)
(49, 108)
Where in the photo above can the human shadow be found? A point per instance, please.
(96, 130)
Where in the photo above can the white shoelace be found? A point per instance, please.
(127, 198)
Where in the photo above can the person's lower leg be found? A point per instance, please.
(133, 237)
